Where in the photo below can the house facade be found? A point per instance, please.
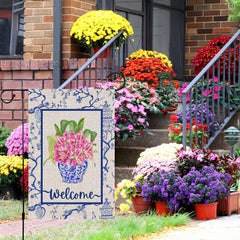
(36, 50)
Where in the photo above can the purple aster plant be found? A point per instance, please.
(204, 186)
(163, 187)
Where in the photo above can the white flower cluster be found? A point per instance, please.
(165, 151)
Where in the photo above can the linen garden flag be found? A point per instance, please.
(71, 153)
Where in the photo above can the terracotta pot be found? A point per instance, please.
(229, 205)
(161, 208)
(141, 206)
(206, 211)
(106, 53)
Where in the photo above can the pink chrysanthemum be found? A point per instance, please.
(14, 141)
(73, 148)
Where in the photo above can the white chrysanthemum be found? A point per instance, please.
(165, 151)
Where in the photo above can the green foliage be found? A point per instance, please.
(234, 10)
(4, 134)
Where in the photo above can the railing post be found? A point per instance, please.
(184, 107)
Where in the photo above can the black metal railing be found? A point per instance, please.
(212, 97)
(100, 68)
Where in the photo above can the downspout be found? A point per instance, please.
(57, 43)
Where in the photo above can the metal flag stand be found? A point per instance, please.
(22, 91)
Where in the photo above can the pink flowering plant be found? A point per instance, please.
(194, 158)
(14, 141)
(130, 113)
(212, 90)
(152, 166)
(71, 144)
(145, 95)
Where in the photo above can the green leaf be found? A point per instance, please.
(73, 126)
(86, 133)
(125, 136)
(64, 124)
(58, 130)
(93, 135)
(52, 140)
(81, 123)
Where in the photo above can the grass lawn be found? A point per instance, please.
(122, 227)
(11, 210)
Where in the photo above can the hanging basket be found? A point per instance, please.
(141, 206)
(206, 211)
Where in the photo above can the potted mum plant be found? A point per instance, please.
(157, 75)
(203, 189)
(11, 170)
(163, 189)
(96, 28)
(131, 190)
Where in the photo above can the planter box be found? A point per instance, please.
(229, 205)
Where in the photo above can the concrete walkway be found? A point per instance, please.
(221, 228)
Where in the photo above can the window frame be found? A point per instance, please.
(17, 10)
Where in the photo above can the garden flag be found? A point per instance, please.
(71, 153)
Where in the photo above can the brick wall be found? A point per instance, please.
(38, 36)
(26, 74)
(205, 20)
(72, 10)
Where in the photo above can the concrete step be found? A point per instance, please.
(146, 140)
(159, 121)
(127, 156)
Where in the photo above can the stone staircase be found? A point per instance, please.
(127, 153)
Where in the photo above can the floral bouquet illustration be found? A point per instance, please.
(71, 148)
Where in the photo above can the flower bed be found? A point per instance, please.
(183, 178)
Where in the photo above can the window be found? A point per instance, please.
(158, 25)
(11, 27)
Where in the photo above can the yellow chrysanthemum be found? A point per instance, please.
(10, 165)
(95, 28)
(150, 54)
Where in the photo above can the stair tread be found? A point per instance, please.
(132, 147)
